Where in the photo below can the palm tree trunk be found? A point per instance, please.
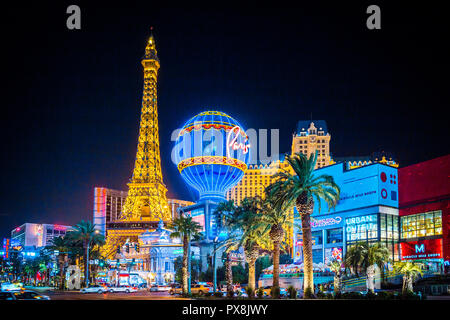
(276, 264)
(307, 256)
(370, 276)
(251, 275)
(337, 284)
(404, 286)
(229, 271)
(184, 269)
(61, 272)
(410, 283)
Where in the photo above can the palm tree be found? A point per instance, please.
(352, 259)
(366, 257)
(301, 189)
(253, 237)
(89, 237)
(185, 229)
(61, 245)
(335, 267)
(410, 271)
(274, 221)
(225, 216)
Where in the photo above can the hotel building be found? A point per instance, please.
(108, 205)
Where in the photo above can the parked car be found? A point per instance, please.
(159, 288)
(123, 288)
(94, 288)
(176, 289)
(200, 289)
(22, 295)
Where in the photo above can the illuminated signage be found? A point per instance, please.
(362, 227)
(362, 187)
(422, 249)
(317, 223)
(232, 143)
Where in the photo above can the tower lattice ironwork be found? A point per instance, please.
(146, 203)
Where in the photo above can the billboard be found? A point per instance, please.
(366, 186)
(422, 249)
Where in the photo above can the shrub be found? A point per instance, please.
(371, 295)
(260, 292)
(250, 292)
(321, 295)
(292, 292)
(409, 295)
(308, 294)
(275, 292)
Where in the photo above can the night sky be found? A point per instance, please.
(71, 100)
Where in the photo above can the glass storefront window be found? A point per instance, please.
(317, 237)
(334, 235)
(421, 225)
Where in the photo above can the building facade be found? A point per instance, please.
(37, 235)
(424, 195)
(108, 205)
(311, 136)
(367, 211)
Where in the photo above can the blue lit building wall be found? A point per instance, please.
(366, 211)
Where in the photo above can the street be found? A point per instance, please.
(140, 295)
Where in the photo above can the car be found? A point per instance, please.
(159, 288)
(123, 288)
(200, 289)
(22, 295)
(7, 286)
(176, 289)
(94, 288)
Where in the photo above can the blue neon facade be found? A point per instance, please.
(367, 211)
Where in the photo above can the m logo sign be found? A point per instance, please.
(420, 248)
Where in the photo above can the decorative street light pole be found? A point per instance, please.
(214, 264)
(87, 259)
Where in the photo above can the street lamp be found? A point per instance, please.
(87, 259)
(214, 263)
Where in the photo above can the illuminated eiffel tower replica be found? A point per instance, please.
(146, 203)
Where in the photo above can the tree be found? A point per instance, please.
(225, 217)
(89, 237)
(274, 221)
(301, 189)
(366, 257)
(335, 267)
(60, 245)
(410, 272)
(185, 229)
(253, 236)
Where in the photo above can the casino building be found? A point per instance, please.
(424, 207)
(108, 205)
(366, 211)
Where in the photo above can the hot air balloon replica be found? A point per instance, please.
(211, 153)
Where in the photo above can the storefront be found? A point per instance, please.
(366, 211)
(424, 196)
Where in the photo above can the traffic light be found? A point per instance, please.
(136, 247)
(118, 250)
(127, 248)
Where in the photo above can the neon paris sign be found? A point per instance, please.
(232, 137)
